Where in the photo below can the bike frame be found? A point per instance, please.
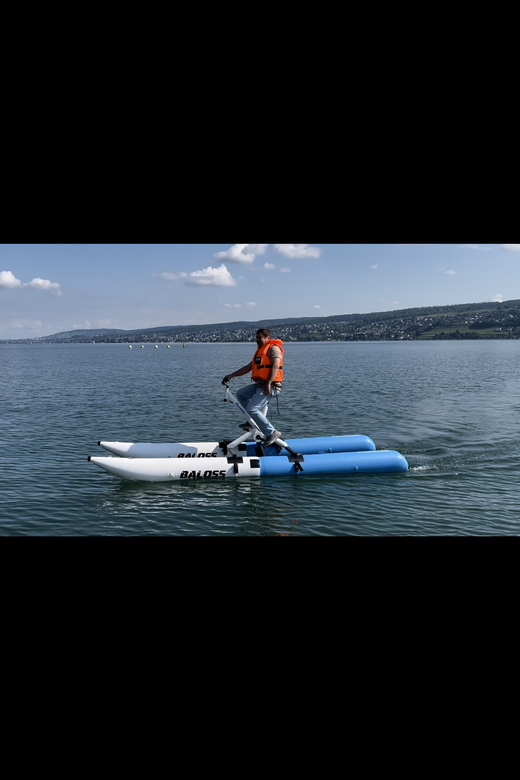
(255, 434)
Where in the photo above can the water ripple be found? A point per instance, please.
(451, 409)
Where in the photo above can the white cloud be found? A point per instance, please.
(316, 307)
(42, 284)
(297, 250)
(443, 270)
(250, 305)
(218, 277)
(285, 270)
(269, 266)
(498, 298)
(258, 249)
(8, 279)
(172, 275)
(477, 246)
(241, 253)
(511, 247)
(373, 266)
(27, 324)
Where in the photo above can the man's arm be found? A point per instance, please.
(272, 373)
(240, 372)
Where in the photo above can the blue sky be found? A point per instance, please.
(47, 288)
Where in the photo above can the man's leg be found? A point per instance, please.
(255, 403)
(245, 394)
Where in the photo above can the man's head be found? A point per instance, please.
(262, 335)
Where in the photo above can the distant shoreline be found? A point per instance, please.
(491, 320)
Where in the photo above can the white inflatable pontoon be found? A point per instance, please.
(246, 456)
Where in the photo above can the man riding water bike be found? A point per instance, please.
(267, 373)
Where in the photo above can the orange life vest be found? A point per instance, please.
(261, 365)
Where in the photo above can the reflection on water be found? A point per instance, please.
(203, 507)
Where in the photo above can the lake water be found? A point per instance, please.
(451, 408)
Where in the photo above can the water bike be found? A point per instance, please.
(246, 456)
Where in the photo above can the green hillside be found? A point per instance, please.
(458, 321)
